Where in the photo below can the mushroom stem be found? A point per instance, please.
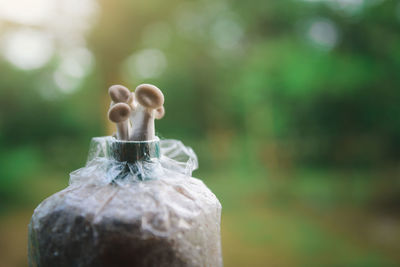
(143, 126)
(122, 130)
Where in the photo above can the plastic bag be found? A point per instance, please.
(147, 211)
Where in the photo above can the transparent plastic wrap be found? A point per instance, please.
(133, 204)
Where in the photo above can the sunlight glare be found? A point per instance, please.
(27, 49)
(146, 63)
(28, 12)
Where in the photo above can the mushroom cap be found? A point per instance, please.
(119, 93)
(149, 96)
(159, 113)
(119, 112)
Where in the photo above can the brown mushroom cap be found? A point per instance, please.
(119, 93)
(160, 112)
(149, 96)
(119, 112)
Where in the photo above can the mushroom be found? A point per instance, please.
(121, 94)
(149, 102)
(119, 114)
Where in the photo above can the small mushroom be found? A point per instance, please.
(119, 114)
(121, 94)
(160, 112)
(149, 106)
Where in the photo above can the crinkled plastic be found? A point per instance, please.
(148, 212)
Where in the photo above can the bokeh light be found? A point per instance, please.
(27, 49)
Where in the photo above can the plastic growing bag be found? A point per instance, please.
(133, 204)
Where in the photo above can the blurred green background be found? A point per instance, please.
(292, 106)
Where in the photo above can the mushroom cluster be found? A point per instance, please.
(134, 112)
